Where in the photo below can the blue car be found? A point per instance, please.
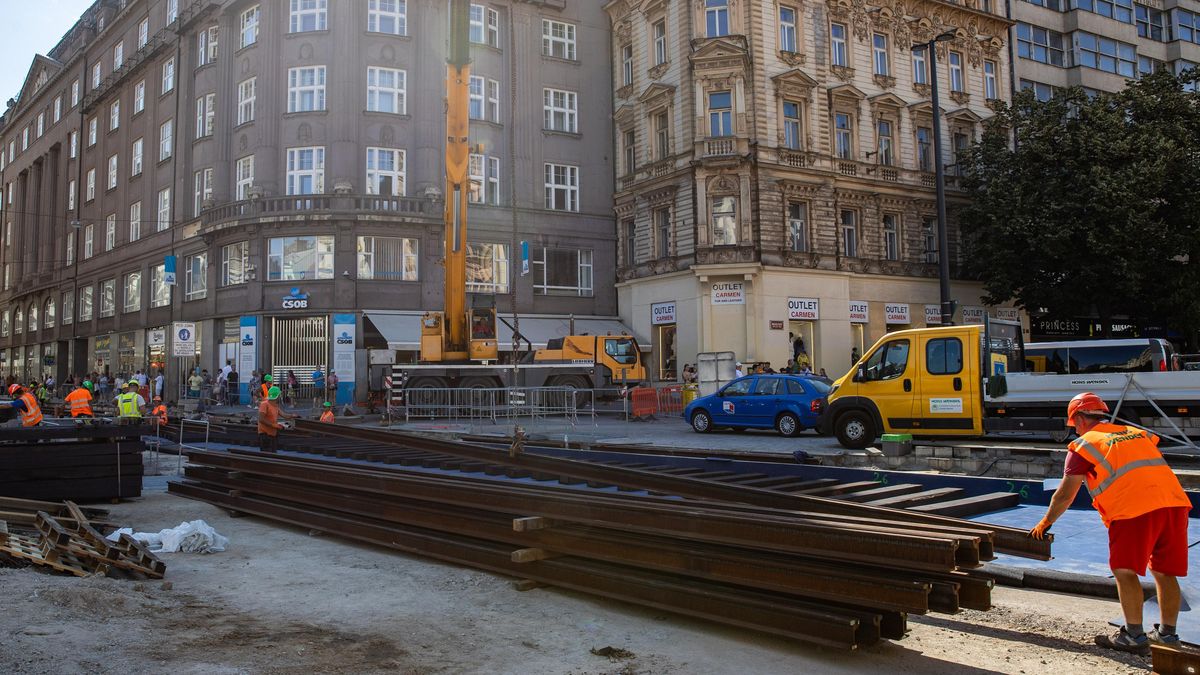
(787, 403)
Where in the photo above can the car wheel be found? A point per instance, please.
(788, 425)
(855, 430)
(701, 422)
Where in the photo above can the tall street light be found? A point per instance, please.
(939, 178)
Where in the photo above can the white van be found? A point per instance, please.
(1087, 357)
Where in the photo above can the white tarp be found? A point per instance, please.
(196, 536)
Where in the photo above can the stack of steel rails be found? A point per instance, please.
(829, 572)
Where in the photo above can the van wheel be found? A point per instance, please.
(788, 425)
(701, 422)
(855, 430)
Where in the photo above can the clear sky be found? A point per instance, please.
(29, 27)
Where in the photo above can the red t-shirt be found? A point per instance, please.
(1078, 465)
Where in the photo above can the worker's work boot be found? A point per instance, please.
(1167, 639)
(1124, 642)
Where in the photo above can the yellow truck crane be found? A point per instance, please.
(459, 346)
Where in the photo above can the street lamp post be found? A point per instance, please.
(939, 178)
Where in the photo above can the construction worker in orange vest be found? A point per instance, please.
(79, 402)
(159, 412)
(26, 404)
(1144, 508)
(265, 387)
(328, 416)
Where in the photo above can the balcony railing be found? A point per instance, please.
(719, 147)
(303, 205)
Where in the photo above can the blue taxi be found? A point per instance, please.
(787, 403)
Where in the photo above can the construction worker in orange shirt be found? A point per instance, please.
(1144, 508)
(26, 404)
(79, 402)
(160, 412)
(328, 416)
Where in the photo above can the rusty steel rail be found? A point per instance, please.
(822, 624)
(1008, 540)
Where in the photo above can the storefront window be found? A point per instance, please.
(666, 347)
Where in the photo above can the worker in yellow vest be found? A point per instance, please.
(130, 405)
(26, 404)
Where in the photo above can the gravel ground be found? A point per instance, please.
(284, 600)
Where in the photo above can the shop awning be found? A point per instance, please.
(402, 330)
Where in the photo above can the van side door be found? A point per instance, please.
(949, 398)
(888, 381)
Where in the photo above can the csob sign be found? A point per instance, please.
(896, 313)
(858, 311)
(972, 314)
(295, 299)
(933, 315)
(804, 309)
(729, 293)
(662, 313)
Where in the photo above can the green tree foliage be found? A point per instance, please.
(1090, 205)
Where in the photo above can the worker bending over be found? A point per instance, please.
(130, 405)
(269, 413)
(1144, 508)
(79, 401)
(328, 416)
(26, 404)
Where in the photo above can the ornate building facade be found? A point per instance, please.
(775, 169)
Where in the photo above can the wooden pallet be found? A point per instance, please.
(71, 544)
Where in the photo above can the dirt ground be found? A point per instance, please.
(283, 600)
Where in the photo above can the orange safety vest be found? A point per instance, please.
(79, 402)
(31, 416)
(161, 413)
(1132, 478)
(327, 416)
(266, 390)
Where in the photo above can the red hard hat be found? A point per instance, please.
(12, 390)
(1085, 402)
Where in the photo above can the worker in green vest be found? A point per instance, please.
(130, 405)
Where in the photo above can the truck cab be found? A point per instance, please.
(923, 381)
(617, 359)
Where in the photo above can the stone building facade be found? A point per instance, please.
(775, 169)
(288, 158)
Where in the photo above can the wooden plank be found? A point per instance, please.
(30, 548)
(526, 555)
(532, 523)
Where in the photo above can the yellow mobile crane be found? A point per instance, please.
(459, 345)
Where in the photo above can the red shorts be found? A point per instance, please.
(1159, 538)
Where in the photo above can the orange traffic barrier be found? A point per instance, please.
(670, 399)
(643, 402)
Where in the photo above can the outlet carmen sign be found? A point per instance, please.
(662, 313)
(804, 309)
(729, 293)
(895, 313)
(858, 311)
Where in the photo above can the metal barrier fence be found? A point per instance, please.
(498, 405)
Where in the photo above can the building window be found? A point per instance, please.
(956, 72)
(57, 109)
(164, 209)
(891, 237)
(487, 268)
(112, 172)
(74, 93)
(5, 320)
(308, 15)
(206, 115)
(849, 221)
(560, 110)
(71, 195)
(562, 272)
(662, 135)
(160, 291)
(387, 16)
(110, 232)
(18, 320)
(139, 97)
(630, 231)
(626, 65)
(662, 232)
(929, 241)
(990, 87)
(247, 95)
(716, 18)
(724, 221)
(1186, 26)
(135, 221)
(629, 145)
(562, 187)
(720, 114)
(494, 101)
(206, 46)
(485, 33)
(1121, 10)
(233, 263)
(306, 88)
(792, 128)
(93, 134)
(925, 148)
(118, 55)
(387, 258)
(1042, 92)
(920, 67)
(91, 185)
(108, 297)
(660, 41)
(300, 258)
(837, 45)
(844, 135)
(202, 189)
(33, 318)
(172, 11)
(883, 131)
(787, 29)
(96, 75)
(1147, 65)
(558, 39)
(132, 292)
(386, 90)
(249, 23)
(41, 123)
(879, 44)
(143, 33)
(1105, 54)
(244, 177)
(797, 226)
(476, 108)
(166, 140)
(306, 171)
(195, 277)
(1039, 44)
(86, 302)
(484, 176)
(168, 75)
(68, 307)
(385, 172)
